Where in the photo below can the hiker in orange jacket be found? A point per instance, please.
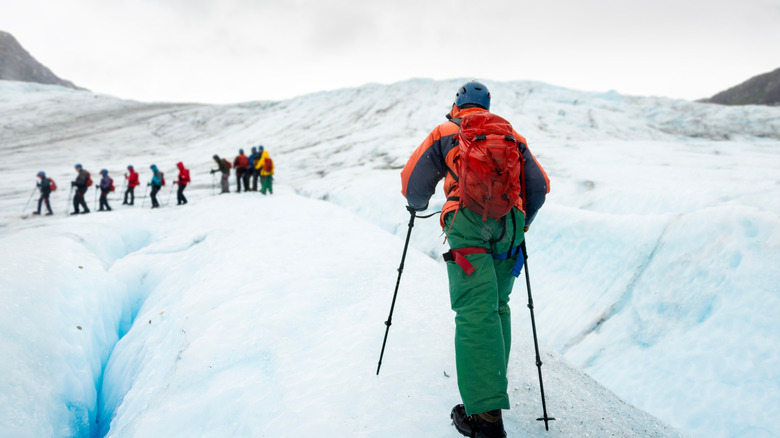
(241, 163)
(483, 261)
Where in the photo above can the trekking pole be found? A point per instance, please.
(213, 183)
(398, 281)
(94, 205)
(143, 202)
(67, 201)
(169, 195)
(29, 199)
(544, 418)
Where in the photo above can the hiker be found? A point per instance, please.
(132, 183)
(252, 171)
(184, 179)
(46, 186)
(224, 168)
(241, 164)
(158, 180)
(106, 185)
(267, 175)
(82, 183)
(484, 256)
(259, 163)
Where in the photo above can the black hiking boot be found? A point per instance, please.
(36, 212)
(49, 214)
(75, 212)
(485, 425)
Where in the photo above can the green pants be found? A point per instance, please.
(267, 184)
(483, 333)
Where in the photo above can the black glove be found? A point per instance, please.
(73, 183)
(213, 171)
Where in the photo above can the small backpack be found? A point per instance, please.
(111, 185)
(162, 179)
(52, 185)
(489, 166)
(269, 165)
(230, 166)
(89, 179)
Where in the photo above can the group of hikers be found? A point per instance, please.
(258, 164)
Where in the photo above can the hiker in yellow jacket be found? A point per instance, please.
(266, 171)
(267, 176)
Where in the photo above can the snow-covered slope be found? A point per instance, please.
(653, 267)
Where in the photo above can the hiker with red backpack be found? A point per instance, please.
(158, 180)
(184, 179)
(494, 188)
(259, 162)
(267, 176)
(46, 186)
(106, 186)
(82, 183)
(223, 166)
(241, 164)
(132, 183)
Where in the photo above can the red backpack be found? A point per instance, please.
(52, 185)
(89, 180)
(162, 179)
(489, 165)
(111, 185)
(268, 165)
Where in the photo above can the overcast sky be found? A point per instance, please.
(225, 51)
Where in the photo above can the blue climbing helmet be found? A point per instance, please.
(240, 151)
(104, 171)
(78, 166)
(41, 174)
(129, 167)
(153, 167)
(473, 93)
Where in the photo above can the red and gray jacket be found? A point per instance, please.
(431, 160)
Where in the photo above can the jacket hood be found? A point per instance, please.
(180, 165)
(153, 167)
(456, 112)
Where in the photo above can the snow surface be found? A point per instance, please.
(653, 266)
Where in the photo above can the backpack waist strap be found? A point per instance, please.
(459, 257)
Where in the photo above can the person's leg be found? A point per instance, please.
(480, 343)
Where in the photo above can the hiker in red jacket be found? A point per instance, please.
(241, 163)
(184, 179)
(132, 183)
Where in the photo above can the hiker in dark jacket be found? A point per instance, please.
(44, 185)
(156, 183)
(224, 168)
(252, 171)
(81, 185)
(105, 188)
